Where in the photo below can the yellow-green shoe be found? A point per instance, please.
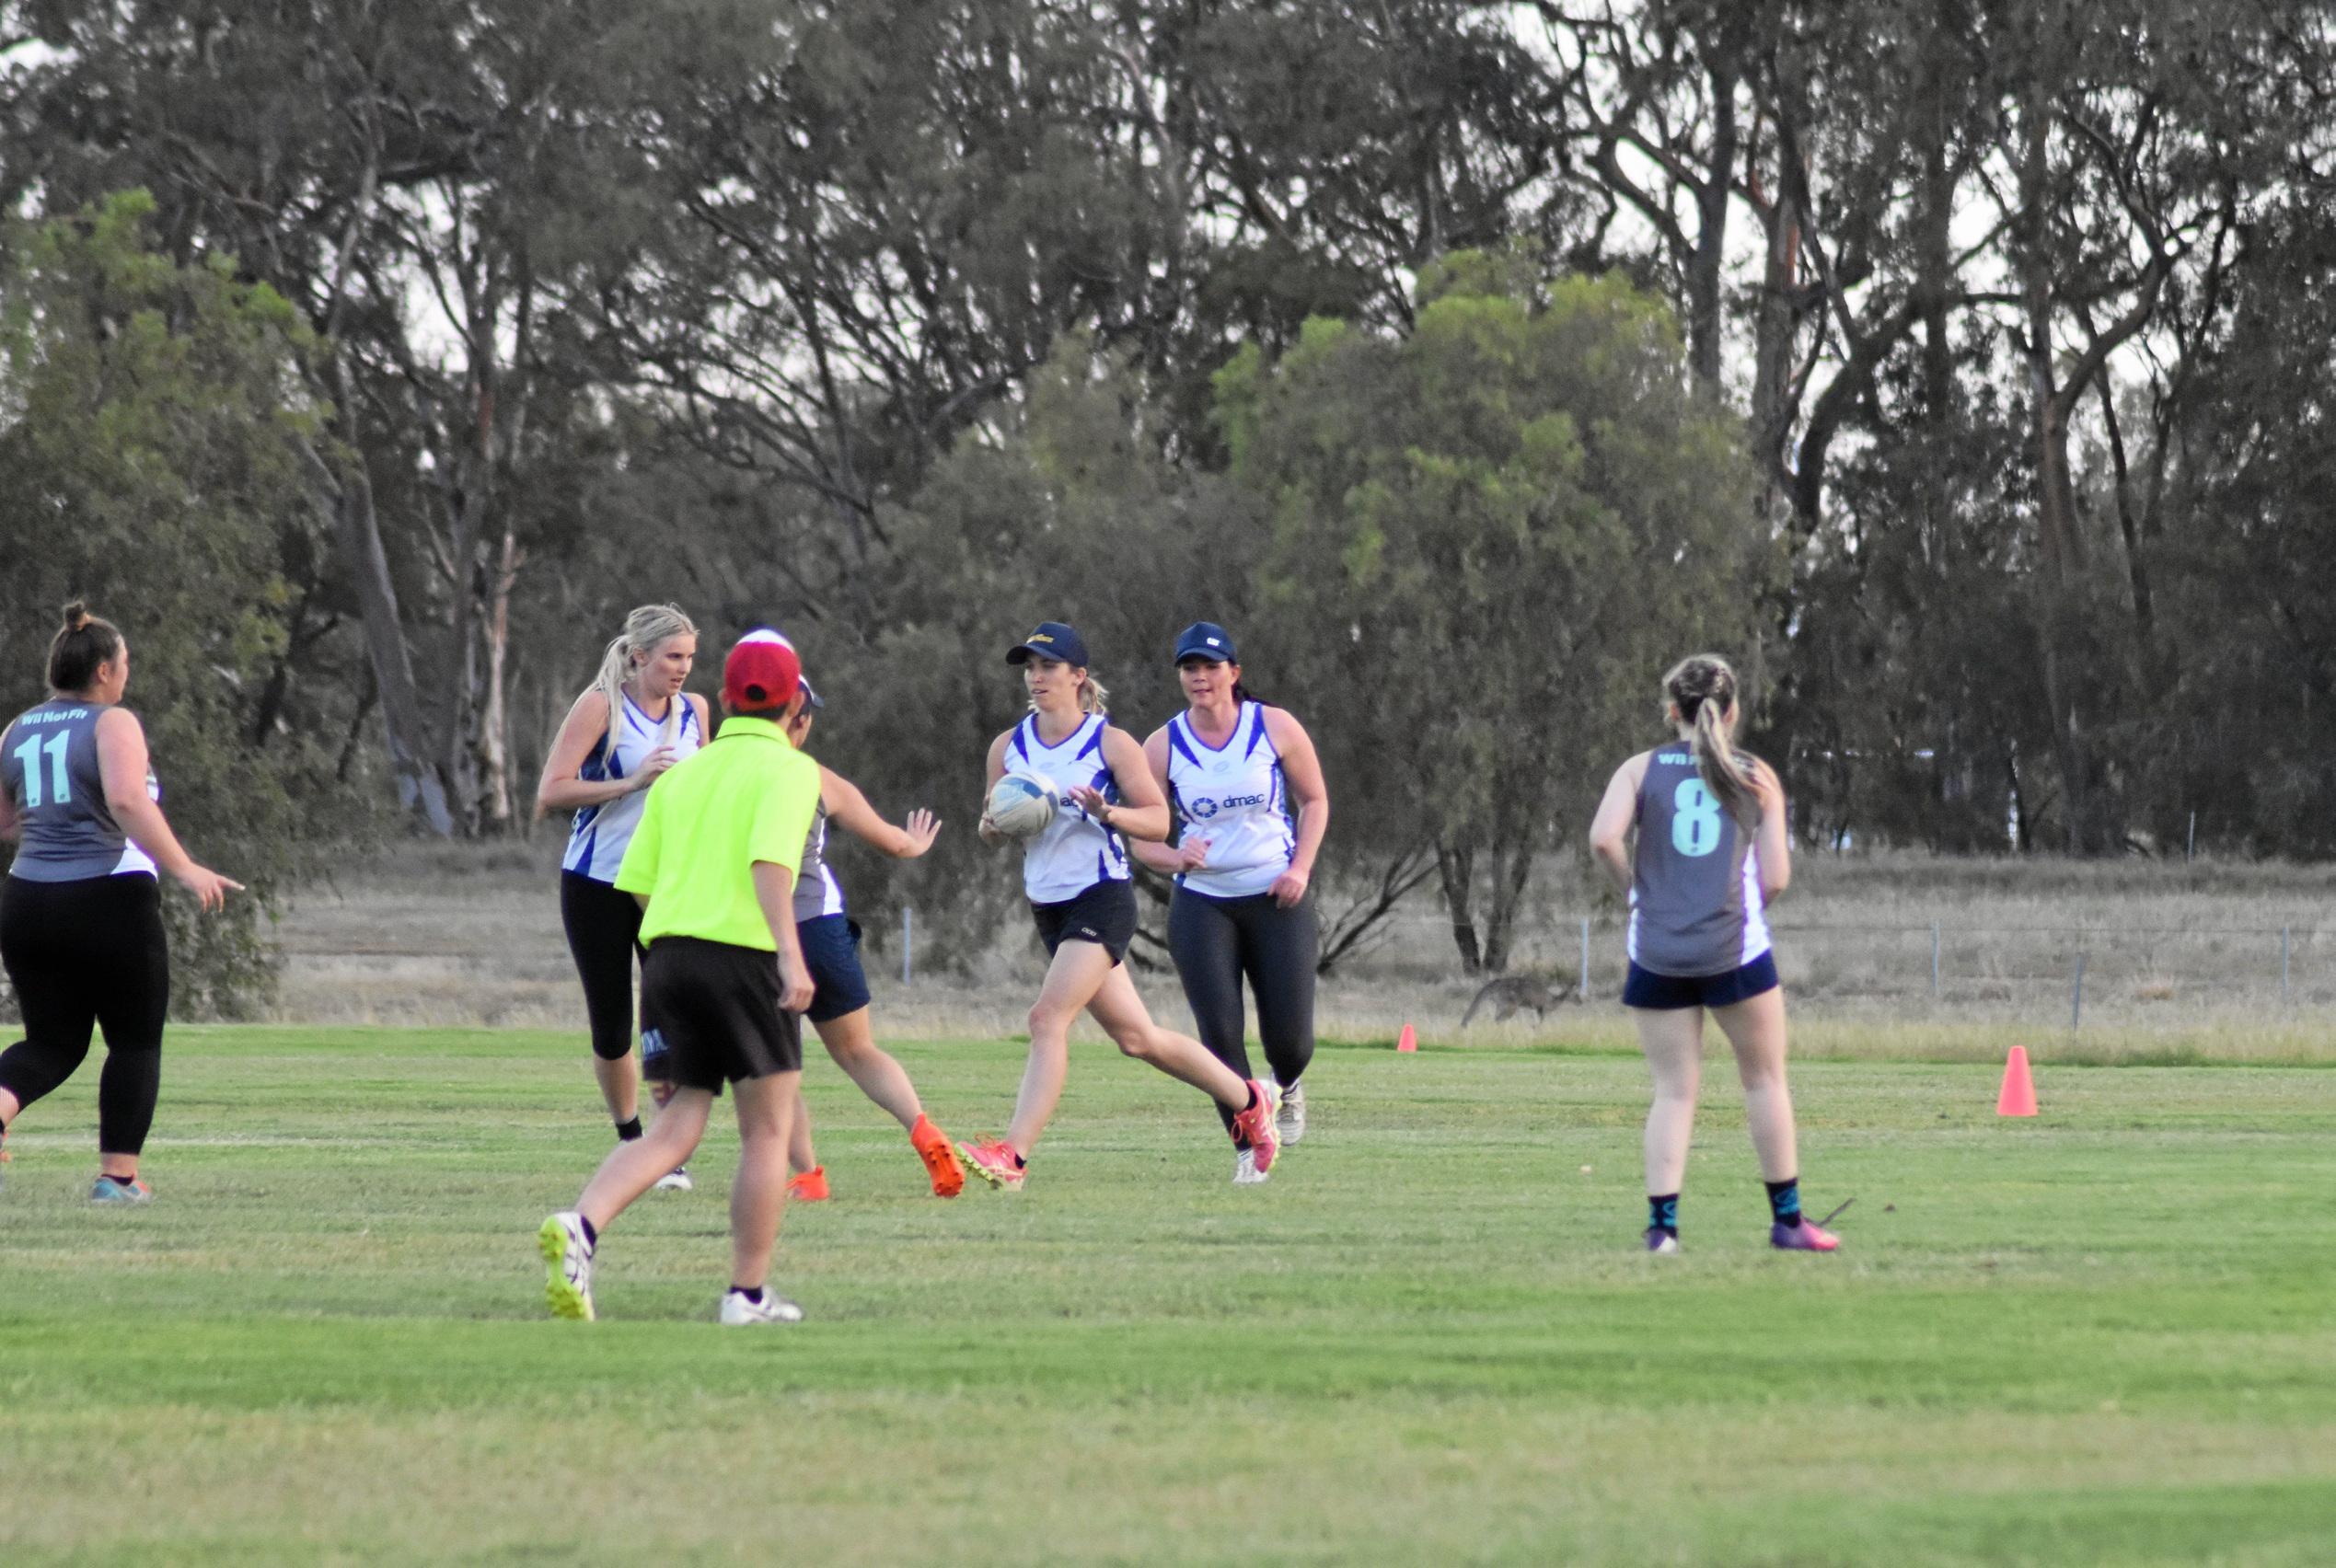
(569, 1257)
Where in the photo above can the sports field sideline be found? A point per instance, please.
(2103, 1337)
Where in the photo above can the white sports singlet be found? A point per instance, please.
(1233, 797)
(1075, 852)
(596, 844)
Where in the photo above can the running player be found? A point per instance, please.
(839, 1009)
(1075, 874)
(1712, 854)
(81, 915)
(631, 725)
(714, 861)
(1233, 768)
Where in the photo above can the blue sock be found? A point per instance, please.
(1662, 1213)
(1784, 1200)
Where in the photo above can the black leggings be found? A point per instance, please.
(603, 934)
(1214, 941)
(84, 955)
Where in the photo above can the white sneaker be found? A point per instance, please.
(738, 1312)
(565, 1251)
(675, 1180)
(1245, 1172)
(1290, 1118)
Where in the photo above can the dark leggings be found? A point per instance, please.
(84, 955)
(1214, 941)
(603, 935)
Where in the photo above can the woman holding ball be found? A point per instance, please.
(1075, 875)
(81, 930)
(631, 725)
(1712, 853)
(1234, 770)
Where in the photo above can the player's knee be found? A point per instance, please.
(1048, 1027)
(1135, 1039)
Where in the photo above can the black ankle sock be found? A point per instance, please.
(1662, 1213)
(1251, 1105)
(592, 1236)
(1784, 1200)
(754, 1295)
(627, 1131)
(1020, 1163)
(121, 1181)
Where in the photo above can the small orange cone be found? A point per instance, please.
(1408, 1039)
(2019, 1098)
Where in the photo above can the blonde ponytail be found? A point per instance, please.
(646, 627)
(1701, 689)
(1093, 697)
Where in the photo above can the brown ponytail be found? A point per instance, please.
(1700, 689)
(82, 645)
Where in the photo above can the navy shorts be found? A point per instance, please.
(1104, 915)
(1666, 993)
(831, 951)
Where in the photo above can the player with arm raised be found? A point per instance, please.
(1712, 853)
(840, 1000)
(714, 861)
(81, 930)
(1235, 770)
(1075, 875)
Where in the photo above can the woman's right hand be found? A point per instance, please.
(988, 830)
(209, 887)
(1191, 855)
(655, 763)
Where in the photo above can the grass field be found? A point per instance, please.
(2103, 1337)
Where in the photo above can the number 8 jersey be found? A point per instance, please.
(1694, 884)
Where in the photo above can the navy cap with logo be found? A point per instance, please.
(1205, 639)
(1051, 640)
(810, 697)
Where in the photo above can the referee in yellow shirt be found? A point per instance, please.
(713, 863)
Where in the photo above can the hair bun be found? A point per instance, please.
(76, 615)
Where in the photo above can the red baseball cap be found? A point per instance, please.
(761, 673)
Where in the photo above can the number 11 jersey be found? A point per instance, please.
(49, 766)
(1695, 883)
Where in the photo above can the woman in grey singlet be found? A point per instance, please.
(1712, 852)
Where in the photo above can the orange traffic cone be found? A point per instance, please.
(1408, 1039)
(2018, 1097)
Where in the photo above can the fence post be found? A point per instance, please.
(908, 945)
(2076, 994)
(2189, 847)
(2283, 963)
(1582, 990)
(1934, 959)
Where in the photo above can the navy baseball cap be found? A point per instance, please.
(1051, 640)
(810, 697)
(1205, 639)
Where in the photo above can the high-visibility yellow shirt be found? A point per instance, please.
(746, 796)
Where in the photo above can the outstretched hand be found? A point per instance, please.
(922, 827)
(209, 887)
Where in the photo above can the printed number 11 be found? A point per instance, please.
(59, 784)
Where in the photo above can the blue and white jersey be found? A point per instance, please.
(1694, 881)
(1075, 852)
(49, 767)
(596, 844)
(1234, 797)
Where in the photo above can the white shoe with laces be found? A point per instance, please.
(675, 1180)
(1245, 1172)
(568, 1257)
(1290, 1117)
(737, 1311)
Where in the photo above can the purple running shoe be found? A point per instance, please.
(1660, 1241)
(1801, 1236)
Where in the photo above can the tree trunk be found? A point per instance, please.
(1513, 868)
(1707, 266)
(494, 720)
(1454, 867)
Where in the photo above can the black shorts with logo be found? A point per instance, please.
(718, 1013)
(1103, 914)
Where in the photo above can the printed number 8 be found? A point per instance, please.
(1694, 819)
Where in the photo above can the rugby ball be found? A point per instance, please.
(1022, 805)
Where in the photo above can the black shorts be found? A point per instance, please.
(1668, 993)
(1104, 915)
(831, 951)
(718, 1013)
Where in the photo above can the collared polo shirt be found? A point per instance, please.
(747, 796)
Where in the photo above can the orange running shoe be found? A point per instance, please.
(995, 1163)
(1256, 1127)
(941, 1161)
(811, 1187)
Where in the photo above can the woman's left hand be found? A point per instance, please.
(1290, 888)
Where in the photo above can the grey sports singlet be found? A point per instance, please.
(49, 766)
(1694, 885)
(816, 891)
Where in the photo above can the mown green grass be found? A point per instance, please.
(2103, 1337)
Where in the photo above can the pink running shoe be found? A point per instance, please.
(995, 1163)
(1256, 1127)
(1801, 1238)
